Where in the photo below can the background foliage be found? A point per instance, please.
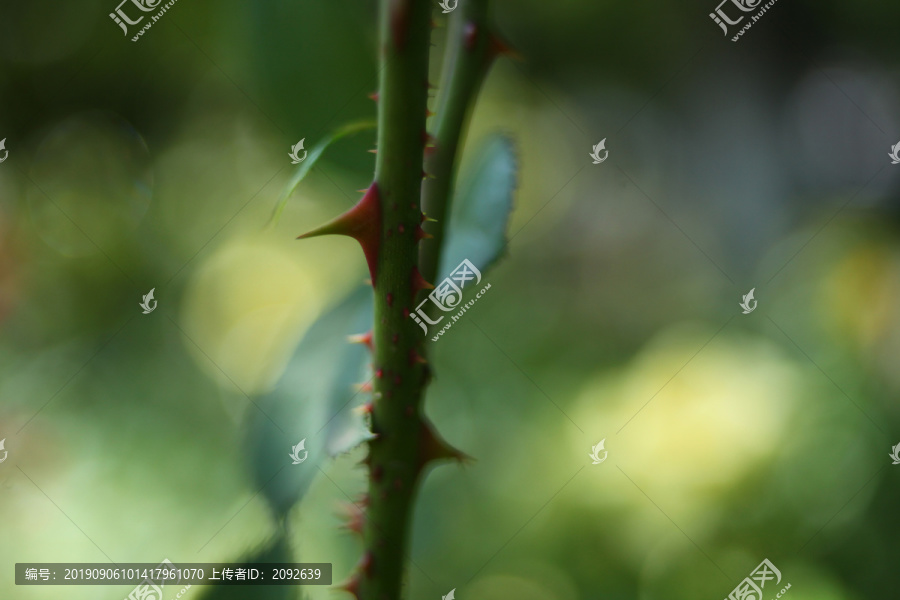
(614, 315)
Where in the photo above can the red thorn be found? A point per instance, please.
(374, 96)
(364, 387)
(421, 235)
(428, 113)
(433, 447)
(390, 296)
(428, 139)
(356, 519)
(430, 150)
(362, 338)
(396, 337)
(351, 585)
(377, 473)
(405, 315)
(415, 357)
(362, 223)
(401, 228)
(379, 373)
(499, 47)
(418, 282)
(364, 409)
(367, 564)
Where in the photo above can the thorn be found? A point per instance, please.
(499, 47)
(432, 448)
(364, 409)
(366, 564)
(418, 282)
(351, 585)
(416, 358)
(428, 113)
(362, 223)
(401, 228)
(356, 518)
(364, 387)
(362, 338)
(421, 235)
(379, 373)
(390, 296)
(374, 96)
(373, 151)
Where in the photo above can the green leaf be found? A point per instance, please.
(313, 401)
(481, 208)
(314, 154)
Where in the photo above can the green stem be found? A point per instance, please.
(405, 33)
(468, 56)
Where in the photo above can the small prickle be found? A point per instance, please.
(418, 282)
(362, 338)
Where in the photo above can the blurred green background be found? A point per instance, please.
(732, 438)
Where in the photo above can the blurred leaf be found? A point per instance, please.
(311, 402)
(481, 209)
(276, 550)
(315, 153)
